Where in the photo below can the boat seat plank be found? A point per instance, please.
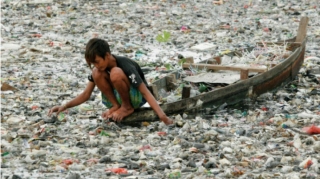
(222, 67)
(280, 43)
(221, 77)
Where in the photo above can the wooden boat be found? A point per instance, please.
(264, 81)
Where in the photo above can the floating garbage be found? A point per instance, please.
(118, 170)
(312, 130)
(274, 135)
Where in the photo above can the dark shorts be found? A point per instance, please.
(136, 98)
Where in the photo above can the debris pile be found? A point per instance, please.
(42, 65)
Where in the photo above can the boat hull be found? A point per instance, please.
(252, 87)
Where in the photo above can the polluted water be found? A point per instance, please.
(275, 135)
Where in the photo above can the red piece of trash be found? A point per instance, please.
(36, 35)
(118, 170)
(67, 161)
(266, 29)
(92, 133)
(162, 133)
(184, 28)
(145, 147)
(51, 43)
(34, 107)
(312, 130)
(93, 161)
(308, 164)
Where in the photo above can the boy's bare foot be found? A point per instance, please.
(121, 113)
(108, 113)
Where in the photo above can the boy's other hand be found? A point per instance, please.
(56, 109)
(105, 114)
(166, 120)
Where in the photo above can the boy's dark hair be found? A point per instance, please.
(96, 47)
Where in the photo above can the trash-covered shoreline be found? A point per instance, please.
(42, 65)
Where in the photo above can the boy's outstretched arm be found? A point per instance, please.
(153, 103)
(83, 97)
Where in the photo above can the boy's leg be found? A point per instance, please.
(103, 82)
(121, 83)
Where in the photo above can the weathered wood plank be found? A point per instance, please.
(155, 91)
(217, 59)
(302, 31)
(189, 59)
(171, 80)
(186, 92)
(244, 74)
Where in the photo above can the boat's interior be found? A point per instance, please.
(212, 74)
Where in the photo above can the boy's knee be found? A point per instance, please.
(96, 74)
(116, 74)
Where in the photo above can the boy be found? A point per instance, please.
(121, 82)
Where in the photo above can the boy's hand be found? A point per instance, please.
(105, 114)
(166, 120)
(56, 109)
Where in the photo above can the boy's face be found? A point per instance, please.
(101, 63)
